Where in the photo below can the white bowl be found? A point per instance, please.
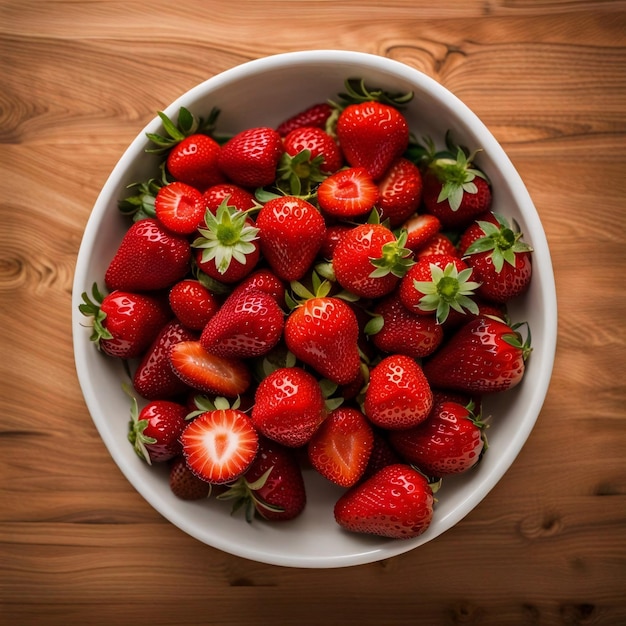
(264, 92)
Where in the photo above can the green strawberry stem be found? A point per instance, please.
(227, 236)
(136, 429)
(91, 308)
(187, 124)
(395, 259)
(297, 175)
(502, 240)
(448, 289)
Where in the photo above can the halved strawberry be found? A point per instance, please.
(207, 372)
(220, 445)
(340, 448)
(420, 230)
(179, 207)
(347, 193)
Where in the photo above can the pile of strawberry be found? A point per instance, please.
(328, 294)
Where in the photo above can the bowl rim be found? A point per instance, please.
(542, 255)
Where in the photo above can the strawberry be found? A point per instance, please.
(250, 158)
(500, 259)
(437, 284)
(272, 487)
(208, 372)
(455, 190)
(154, 378)
(348, 193)
(439, 243)
(369, 260)
(220, 445)
(340, 448)
(372, 135)
(288, 406)
(194, 161)
(149, 258)
(124, 324)
(421, 229)
(228, 247)
(155, 430)
(483, 356)
(322, 331)
(248, 324)
(398, 394)
(310, 155)
(263, 280)
(382, 454)
(179, 207)
(402, 331)
(235, 196)
(192, 303)
(399, 192)
(291, 232)
(192, 153)
(315, 115)
(334, 233)
(450, 441)
(184, 483)
(396, 502)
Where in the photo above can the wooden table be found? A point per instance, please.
(79, 546)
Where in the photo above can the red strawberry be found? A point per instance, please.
(192, 153)
(455, 190)
(194, 161)
(398, 395)
(333, 234)
(438, 284)
(235, 196)
(399, 192)
(154, 378)
(396, 502)
(250, 158)
(185, 484)
(322, 332)
(439, 243)
(450, 441)
(208, 372)
(420, 230)
(340, 448)
(220, 445)
(179, 207)
(228, 247)
(372, 135)
(369, 261)
(263, 280)
(348, 193)
(124, 324)
(291, 231)
(382, 454)
(288, 406)
(322, 148)
(500, 259)
(155, 430)
(404, 332)
(249, 324)
(149, 258)
(483, 356)
(192, 303)
(272, 487)
(315, 115)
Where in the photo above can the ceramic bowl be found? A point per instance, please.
(264, 92)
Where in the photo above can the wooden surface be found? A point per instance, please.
(79, 546)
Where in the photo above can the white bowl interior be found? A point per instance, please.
(264, 92)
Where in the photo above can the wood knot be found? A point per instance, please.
(584, 613)
(537, 526)
(465, 612)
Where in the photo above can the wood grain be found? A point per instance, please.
(79, 546)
